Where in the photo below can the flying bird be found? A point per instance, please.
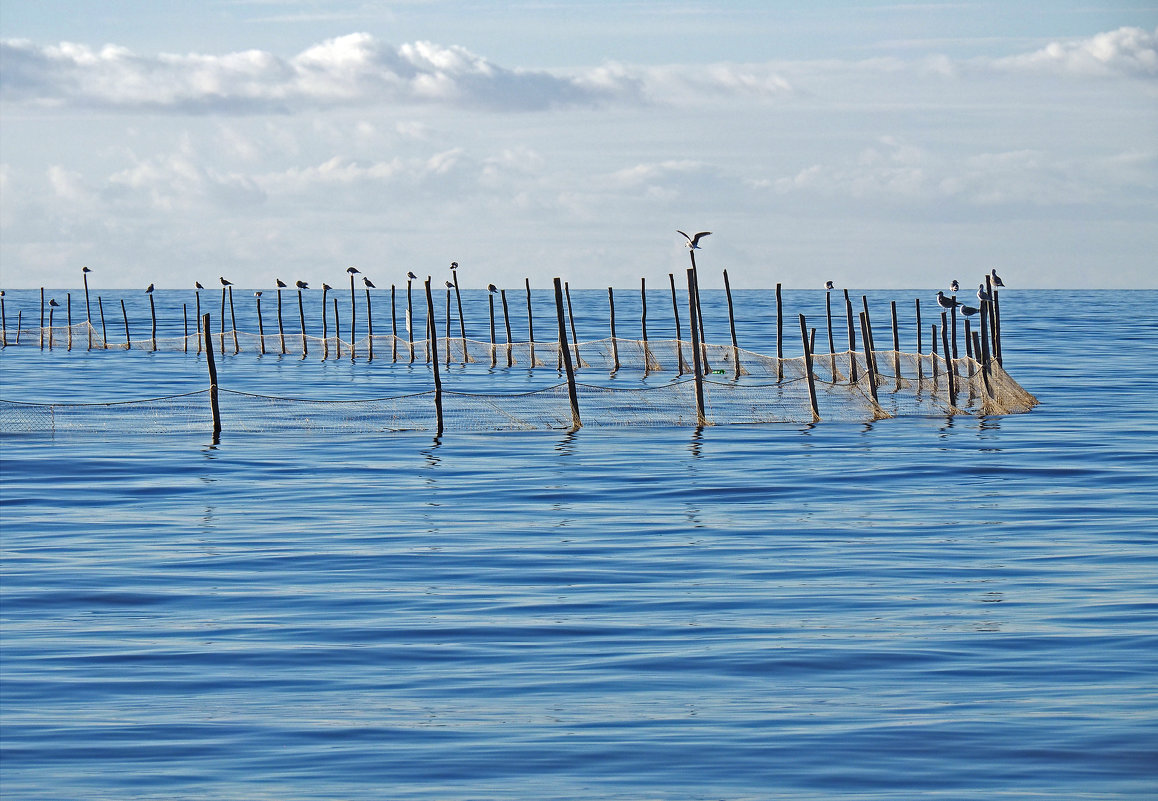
(149, 291)
(492, 288)
(968, 311)
(351, 270)
(829, 285)
(302, 285)
(694, 241)
(412, 276)
(369, 284)
(996, 278)
(280, 283)
(953, 285)
(944, 302)
(982, 294)
(197, 284)
(225, 281)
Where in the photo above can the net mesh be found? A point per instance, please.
(740, 386)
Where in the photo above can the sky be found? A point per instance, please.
(875, 144)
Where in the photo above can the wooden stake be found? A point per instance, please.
(325, 325)
(491, 306)
(683, 366)
(104, 331)
(153, 316)
(432, 335)
(448, 328)
(185, 318)
(87, 309)
(393, 321)
(979, 348)
(868, 358)
(232, 323)
(410, 320)
(530, 324)
(280, 325)
(370, 324)
(933, 351)
(302, 321)
(852, 379)
(222, 318)
(896, 344)
(19, 322)
(572, 392)
(260, 327)
(831, 342)
(701, 417)
(732, 325)
(68, 310)
(614, 340)
(507, 325)
(920, 363)
(996, 326)
(461, 319)
(4, 323)
(779, 334)
(51, 313)
(808, 370)
(950, 373)
(337, 329)
(571, 317)
(42, 318)
(353, 319)
(213, 407)
(125, 314)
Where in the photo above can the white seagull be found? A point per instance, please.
(982, 294)
(944, 302)
(694, 241)
(996, 278)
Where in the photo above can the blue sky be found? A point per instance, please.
(875, 144)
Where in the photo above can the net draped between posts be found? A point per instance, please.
(771, 390)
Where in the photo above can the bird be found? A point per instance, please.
(257, 294)
(996, 278)
(369, 284)
(492, 288)
(454, 265)
(225, 281)
(351, 270)
(954, 286)
(326, 287)
(829, 285)
(982, 294)
(197, 285)
(302, 285)
(149, 291)
(449, 285)
(85, 270)
(694, 241)
(280, 283)
(944, 302)
(968, 311)
(53, 302)
(412, 276)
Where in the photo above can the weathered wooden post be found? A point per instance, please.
(831, 342)
(19, 324)
(950, 372)
(979, 348)
(337, 329)
(153, 316)
(779, 334)
(104, 330)
(222, 319)
(68, 311)
(933, 353)
(260, 324)
(920, 362)
(51, 313)
(572, 392)
(185, 319)
(42, 318)
(643, 324)
(808, 370)
(370, 323)
(432, 349)
(614, 340)
(325, 323)
(302, 322)
(732, 325)
(868, 333)
(410, 318)
(280, 325)
(87, 309)
(4, 322)
(953, 331)
(968, 344)
(491, 308)
(693, 322)
(461, 319)
(213, 407)
(896, 344)
(571, 317)
(996, 325)
(125, 315)
(353, 316)
(507, 325)
(868, 358)
(675, 307)
(530, 323)
(393, 321)
(852, 379)
(232, 323)
(448, 327)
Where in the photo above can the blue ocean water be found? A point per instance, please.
(911, 608)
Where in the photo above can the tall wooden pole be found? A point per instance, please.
(104, 330)
(530, 323)
(432, 348)
(732, 325)
(572, 392)
(302, 322)
(779, 334)
(868, 358)
(233, 323)
(507, 324)
(280, 325)
(693, 322)
(370, 324)
(614, 339)
(68, 310)
(852, 378)
(571, 317)
(950, 376)
(87, 308)
(808, 369)
(675, 307)
(213, 407)
(153, 315)
(491, 306)
(125, 315)
(260, 326)
(410, 319)
(353, 319)
(325, 324)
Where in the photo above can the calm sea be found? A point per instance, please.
(949, 608)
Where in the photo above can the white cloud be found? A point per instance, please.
(1126, 51)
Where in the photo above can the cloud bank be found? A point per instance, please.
(357, 69)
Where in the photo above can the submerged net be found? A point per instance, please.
(740, 386)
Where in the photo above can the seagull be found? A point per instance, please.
(968, 311)
(369, 284)
(694, 241)
(197, 284)
(225, 281)
(149, 291)
(53, 302)
(492, 288)
(996, 278)
(454, 265)
(982, 294)
(954, 286)
(412, 276)
(303, 285)
(351, 270)
(85, 270)
(326, 287)
(829, 285)
(449, 285)
(257, 294)
(280, 283)
(944, 302)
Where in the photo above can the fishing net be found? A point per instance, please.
(739, 386)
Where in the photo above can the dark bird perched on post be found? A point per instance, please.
(412, 276)
(454, 265)
(85, 270)
(982, 294)
(492, 288)
(280, 283)
(53, 302)
(969, 311)
(829, 285)
(694, 241)
(197, 285)
(149, 291)
(302, 285)
(351, 270)
(225, 281)
(996, 278)
(369, 284)
(944, 302)
(257, 294)
(326, 287)
(954, 286)
(449, 285)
